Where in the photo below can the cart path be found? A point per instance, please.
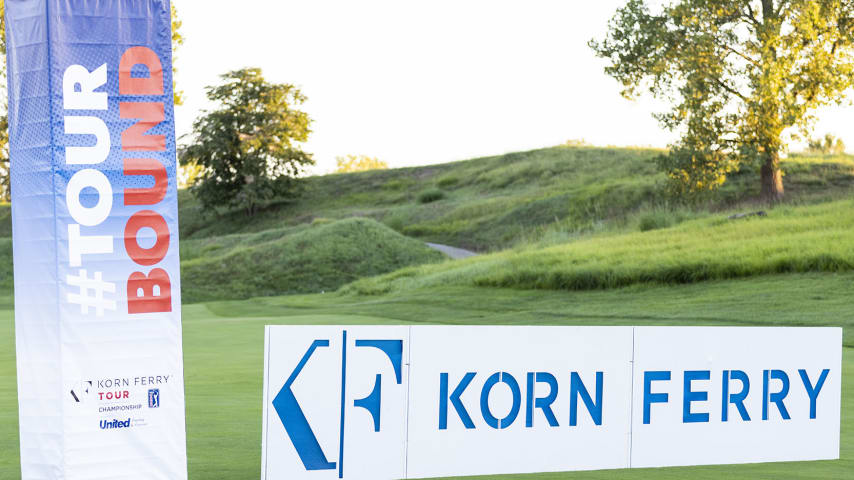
(453, 252)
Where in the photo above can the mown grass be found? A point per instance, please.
(298, 260)
(223, 354)
(817, 238)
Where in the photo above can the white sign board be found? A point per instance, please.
(366, 402)
(735, 395)
(512, 400)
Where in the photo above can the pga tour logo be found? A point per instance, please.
(331, 403)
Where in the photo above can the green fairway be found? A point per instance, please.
(224, 349)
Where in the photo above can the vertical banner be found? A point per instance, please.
(95, 236)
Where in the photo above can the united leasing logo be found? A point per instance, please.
(114, 424)
(299, 428)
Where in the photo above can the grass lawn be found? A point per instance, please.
(224, 349)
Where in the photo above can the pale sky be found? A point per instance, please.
(420, 82)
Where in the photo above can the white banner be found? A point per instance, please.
(95, 238)
(386, 403)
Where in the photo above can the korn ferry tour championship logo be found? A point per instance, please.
(107, 397)
(337, 396)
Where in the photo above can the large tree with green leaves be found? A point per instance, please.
(5, 185)
(248, 148)
(739, 74)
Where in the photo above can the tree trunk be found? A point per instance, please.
(772, 179)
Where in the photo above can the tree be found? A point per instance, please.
(188, 174)
(827, 145)
(177, 41)
(359, 163)
(248, 148)
(739, 73)
(5, 184)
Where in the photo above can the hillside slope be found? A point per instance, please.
(304, 259)
(815, 238)
(492, 203)
(570, 198)
(480, 204)
(316, 258)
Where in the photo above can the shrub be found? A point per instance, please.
(431, 196)
(664, 217)
(826, 146)
(448, 181)
(655, 220)
(359, 163)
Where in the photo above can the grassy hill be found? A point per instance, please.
(492, 203)
(311, 258)
(576, 200)
(815, 238)
(316, 257)
(481, 204)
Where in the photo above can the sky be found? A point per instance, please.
(421, 82)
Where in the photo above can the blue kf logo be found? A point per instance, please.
(295, 422)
